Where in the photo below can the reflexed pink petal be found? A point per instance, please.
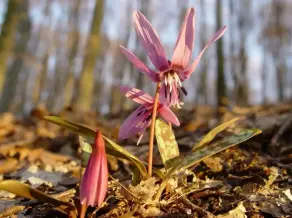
(168, 115)
(137, 95)
(134, 123)
(139, 64)
(150, 41)
(185, 42)
(141, 129)
(191, 68)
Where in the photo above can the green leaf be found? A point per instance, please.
(81, 130)
(214, 148)
(111, 147)
(116, 150)
(86, 151)
(26, 191)
(211, 135)
(166, 142)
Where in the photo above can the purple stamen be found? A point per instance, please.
(184, 91)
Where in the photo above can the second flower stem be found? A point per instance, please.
(152, 127)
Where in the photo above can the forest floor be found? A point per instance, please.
(253, 179)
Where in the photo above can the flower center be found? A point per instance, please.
(171, 81)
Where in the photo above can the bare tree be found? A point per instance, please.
(275, 38)
(10, 85)
(221, 83)
(86, 81)
(202, 88)
(8, 30)
(73, 42)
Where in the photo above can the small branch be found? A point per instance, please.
(199, 210)
(281, 131)
(151, 138)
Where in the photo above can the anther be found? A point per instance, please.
(184, 91)
(165, 92)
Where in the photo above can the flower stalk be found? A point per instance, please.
(152, 128)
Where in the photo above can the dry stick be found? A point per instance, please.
(151, 138)
(282, 130)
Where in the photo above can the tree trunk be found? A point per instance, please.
(202, 87)
(242, 85)
(74, 42)
(86, 81)
(9, 28)
(10, 85)
(279, 63)
(221, 86)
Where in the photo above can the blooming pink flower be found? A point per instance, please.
(93, 186)
(171, 73)
(140, 119)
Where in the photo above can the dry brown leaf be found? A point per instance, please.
(8, 165)
(238, 212)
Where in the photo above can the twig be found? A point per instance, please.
(196, 208)
(151, 138)
(120, 184)
(281, 131)
(206, 194)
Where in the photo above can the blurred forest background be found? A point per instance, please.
(59, 53)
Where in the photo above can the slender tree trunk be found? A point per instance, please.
(281, 70)
(242, 85)
(86, 81)
(41, 80)
(10, 85)
(264, 78)
(280, 64)
(232, 40)
(74, 42)
(202, 89)
(44, 53)
(221, 83)
(9, 28)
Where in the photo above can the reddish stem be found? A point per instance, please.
(83, 210)
(152, 127)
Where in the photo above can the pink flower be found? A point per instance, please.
(171, 73)
(93, 186)
(140, 119)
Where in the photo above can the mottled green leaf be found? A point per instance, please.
(81, 130)
(211, 135)
(86, 151)
(118, 151)
(166, 143)
(214, 148)
(111, 147)
(26, 191)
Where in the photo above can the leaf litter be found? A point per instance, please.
(250, 180)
